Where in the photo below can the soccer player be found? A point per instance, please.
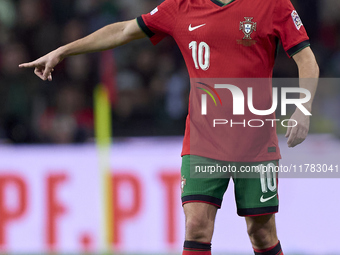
(220, 39)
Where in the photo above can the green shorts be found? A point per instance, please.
(206, 180)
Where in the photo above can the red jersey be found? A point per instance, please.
(235, 40)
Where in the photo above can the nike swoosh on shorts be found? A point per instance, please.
(263, 200)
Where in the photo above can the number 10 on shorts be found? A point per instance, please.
(268, 177)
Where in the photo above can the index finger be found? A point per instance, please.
(29, 64)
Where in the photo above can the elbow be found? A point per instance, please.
(316, 69)
(313, 65)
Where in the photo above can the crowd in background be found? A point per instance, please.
(152, 83)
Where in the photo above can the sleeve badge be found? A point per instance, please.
(154, 11)
(296, 19)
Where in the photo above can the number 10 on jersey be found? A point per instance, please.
(200, 55)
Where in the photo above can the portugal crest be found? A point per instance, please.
(248, 27)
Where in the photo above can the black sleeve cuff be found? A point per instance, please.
(297, 48)
(144, 28)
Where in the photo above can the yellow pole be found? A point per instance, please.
(102, 116)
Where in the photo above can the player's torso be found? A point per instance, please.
(235, 40)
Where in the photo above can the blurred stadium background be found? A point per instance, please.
(54, 196)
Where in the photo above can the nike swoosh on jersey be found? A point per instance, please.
(263, 200)
(193, 28)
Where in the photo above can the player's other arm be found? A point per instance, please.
(308, 74)
(108, 37)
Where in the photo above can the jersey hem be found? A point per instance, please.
(277, 157)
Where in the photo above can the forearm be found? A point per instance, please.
(108, 37)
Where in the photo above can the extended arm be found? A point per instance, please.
(308, 79)
(108, 37)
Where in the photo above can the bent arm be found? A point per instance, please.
(108, 37)
(308, 79)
